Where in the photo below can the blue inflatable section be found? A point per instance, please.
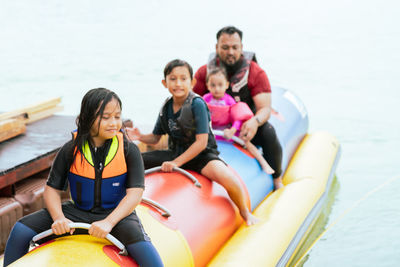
(258, 183)
(291, 125)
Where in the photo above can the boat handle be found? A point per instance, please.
(177, 169)
(164, 211)
(86, 226)
(234, 138)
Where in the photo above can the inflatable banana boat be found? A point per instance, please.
(192, 221)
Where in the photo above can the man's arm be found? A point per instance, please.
(249, 128)
(262, 102)
(261, 93)
(260, 89)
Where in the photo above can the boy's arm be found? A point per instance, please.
(198, 145)
(53, 203)
(150, 139)
(125, 207)
(249, 128)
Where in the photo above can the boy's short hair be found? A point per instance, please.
(230, 30)
(177, 63)
(216, 70)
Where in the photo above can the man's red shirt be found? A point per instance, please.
(257, 81)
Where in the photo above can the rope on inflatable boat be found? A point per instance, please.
(348, 210)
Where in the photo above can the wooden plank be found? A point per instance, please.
(11, 128)
(10, 124)
(44, 105)
(32, 117)
(25, 112)
(34, 151)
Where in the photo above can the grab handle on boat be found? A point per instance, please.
(164, 211)
(177, 169)
(234, 138)
(109, 237)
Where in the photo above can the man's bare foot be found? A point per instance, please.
(278, 183)
(250, 219)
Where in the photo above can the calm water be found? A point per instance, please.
(340, 57)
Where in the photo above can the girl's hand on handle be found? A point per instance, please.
(100, 229)
(228, 133)
(133, 133)
(61, 226)
(168, 166)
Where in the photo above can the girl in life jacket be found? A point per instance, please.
(105, 175)
(186, 120)
(226, 114)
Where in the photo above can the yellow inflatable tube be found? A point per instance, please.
(85, 250)
(287, 214)
(172, 247)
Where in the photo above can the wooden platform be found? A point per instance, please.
(34, 151)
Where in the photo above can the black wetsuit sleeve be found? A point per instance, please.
(59, 170)
(134, 164)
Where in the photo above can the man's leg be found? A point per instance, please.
(267, 139)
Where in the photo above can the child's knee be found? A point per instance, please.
(145, 254)
(20, 230)
(18, 242)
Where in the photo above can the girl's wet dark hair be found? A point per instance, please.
(177, 63)
(216, 70)
(92, 106)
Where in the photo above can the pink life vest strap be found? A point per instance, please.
(219, 115)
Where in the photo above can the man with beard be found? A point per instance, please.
(249, 84)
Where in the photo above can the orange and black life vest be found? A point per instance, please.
(104, 186)
(238, 82)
